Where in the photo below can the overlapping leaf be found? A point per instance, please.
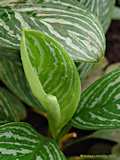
(103, 9)
(77, 29)
(18, 141)
(14, 3)
(11, 109)
(52, 76)
(12, 75)
(10, 2)
(100, 104)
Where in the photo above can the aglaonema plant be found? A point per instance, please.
(52, 76)
(46, 49)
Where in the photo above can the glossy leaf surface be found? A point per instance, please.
(103, 9)
(19, 141)
(75, 28)
(10, 2)
(52, 76)
(99, 107)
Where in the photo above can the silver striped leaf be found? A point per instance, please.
(14, 3)
(4, 3)
(33, 2)
(103, 9)
(19, 141)
(99, 107)
(11, 109)
(52, 76)
(12, 75)
(75, 28)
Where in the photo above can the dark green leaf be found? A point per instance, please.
(18, 141)
(11, 109)
(10, 2)
(12, 75)
(99, 107)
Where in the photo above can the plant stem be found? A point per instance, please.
(76, 141)
(66, 138)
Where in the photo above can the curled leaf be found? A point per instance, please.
(52, 76)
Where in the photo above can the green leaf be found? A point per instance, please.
(75, 28)
(19, 141)
(52, 76)
(9, 54)
(14, 3)
(11, 109)
(10, 2)
(103, 9)
(12, 75)
(99, 107)
(100, 8)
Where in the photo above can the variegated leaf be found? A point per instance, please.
(52, 76)
(10, 2)
(12, 75)
(99, 107)
(11, 109)
(75, 28)
(9, 54)
(19, 141)
(14, 3)
(103, 9)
